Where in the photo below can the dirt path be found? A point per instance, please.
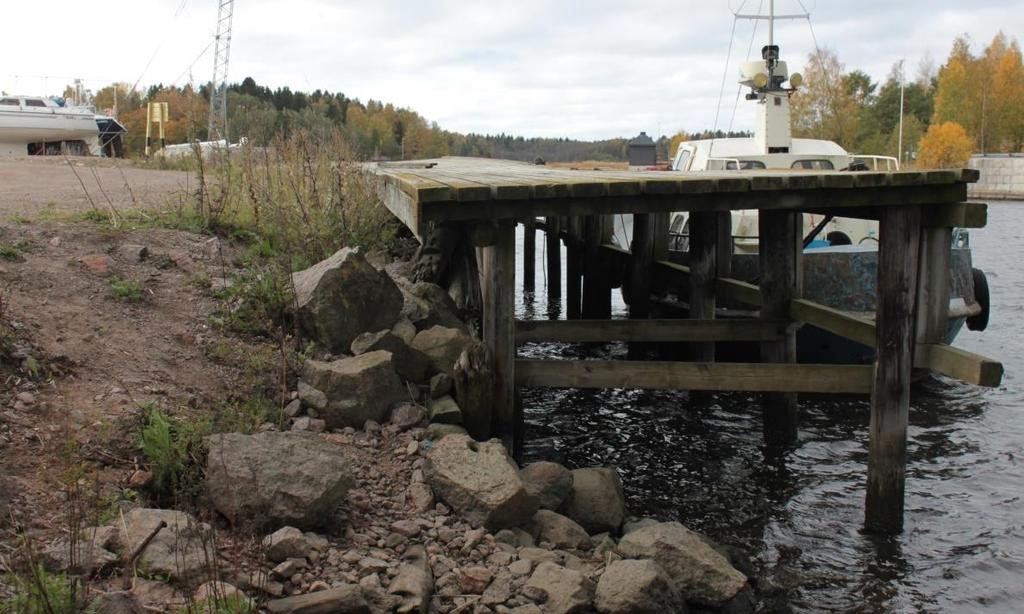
(32, 187)
(109, 356)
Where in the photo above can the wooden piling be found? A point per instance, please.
(573, 268)
(529, 254)
(703, 272)
(554, 257)
(898, 256)
(497, 277)
(641, 266)
(780, 250)
(723, 247)
(597, 290)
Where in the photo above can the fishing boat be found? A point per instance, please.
(31, 125)
(839, 264)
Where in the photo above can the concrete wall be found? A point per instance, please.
(1002, 176)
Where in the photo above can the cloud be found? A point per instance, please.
(590, 69)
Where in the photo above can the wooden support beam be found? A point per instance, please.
(780, 251)
(959, 364)
(639, 278)
(529, 254)
(718, 376)
(703, 252)
(552, 236)
(933, 283)
(573, 268)
(497, 280)
(586, 331)
(899, 236)
(597, 290)
(723, 245)
(850, 326)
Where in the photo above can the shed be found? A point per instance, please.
(642, 151)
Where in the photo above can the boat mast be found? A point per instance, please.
(771, 22)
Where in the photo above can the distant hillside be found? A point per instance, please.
(372, 129)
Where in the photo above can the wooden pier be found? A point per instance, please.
(916, 210)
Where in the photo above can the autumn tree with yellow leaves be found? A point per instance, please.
(945, 145)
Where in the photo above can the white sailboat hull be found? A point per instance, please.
(20, 126)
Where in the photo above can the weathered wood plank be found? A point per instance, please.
(639, 282)
(720, 376)
(497, 280)
(890, 394)
(703, 271)
(849, 326)
(529, 254)
(597, 290)
(959, 364)
(552, 233)
(574, 268)
(824, 199)
(780, 252)
(657, 330)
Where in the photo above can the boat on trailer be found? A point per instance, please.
(38, 125)
(839, 264)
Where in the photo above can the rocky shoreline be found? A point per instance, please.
(374, 495)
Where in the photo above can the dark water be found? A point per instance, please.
(799, 515)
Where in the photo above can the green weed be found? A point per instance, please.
(125, 290)
(39, 592)
(10, 253)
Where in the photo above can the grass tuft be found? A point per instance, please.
(125, 290)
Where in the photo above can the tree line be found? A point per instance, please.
(972, 103)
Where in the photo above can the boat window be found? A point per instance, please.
(11, 102)
(684, 160)
(34, 102)
(814, 165)
(745, 165)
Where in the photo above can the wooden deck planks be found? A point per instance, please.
(460, 189)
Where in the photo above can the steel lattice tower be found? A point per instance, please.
(219, 84)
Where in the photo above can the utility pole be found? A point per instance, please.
(218, 128)
(899, 150)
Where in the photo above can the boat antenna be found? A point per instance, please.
(725, 69)
(739, 88)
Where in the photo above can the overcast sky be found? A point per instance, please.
(584, 69)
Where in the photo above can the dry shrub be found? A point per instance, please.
(308, 198)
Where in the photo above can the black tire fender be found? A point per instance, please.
(981, 297)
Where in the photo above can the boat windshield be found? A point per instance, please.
(817, 165)
(10, 102)
(745, 165)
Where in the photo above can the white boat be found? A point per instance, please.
(36, 124)
(840, 254)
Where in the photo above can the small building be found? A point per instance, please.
(642, 151)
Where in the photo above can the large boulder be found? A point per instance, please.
(443, 346)
(291, 478)
(409, 363)
(637, 586)
(559, 531)
(698, 571)
(179, 552)
(550, 482)
(343, 599)
(342, 296)
(426, 304)
(559, 590)
(480, 481)
(358, 389)
(596, 501)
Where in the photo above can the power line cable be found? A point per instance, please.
(163, 39)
